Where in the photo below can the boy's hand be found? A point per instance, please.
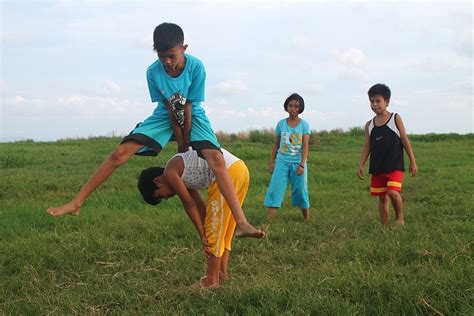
(271, 166)
(413, 169)
(183, 147)
(360, 173)
(300, 170)
(205, 248)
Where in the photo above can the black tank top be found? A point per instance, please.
(386, 148)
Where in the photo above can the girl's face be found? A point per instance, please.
(293, 108)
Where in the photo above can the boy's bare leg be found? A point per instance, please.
(223, 274)
(384, 209)
(118, 157)
(305, 212)
(397, 203)
(216, 162)
(211, 279)
(271, 212)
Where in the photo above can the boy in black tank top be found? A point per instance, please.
(385, 139)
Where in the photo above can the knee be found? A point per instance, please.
(119, 156)
(393, 194)
(383, 199)
(215, 159)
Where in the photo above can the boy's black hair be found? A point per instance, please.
(166, 36)
(297, 97)
(146, 185)
(380, 89)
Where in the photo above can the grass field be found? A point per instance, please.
(122, 256)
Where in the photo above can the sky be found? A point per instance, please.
(72, 69)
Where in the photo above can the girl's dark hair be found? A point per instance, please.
(166, 36)
(380, 89)
(146, 185)
(297, 97)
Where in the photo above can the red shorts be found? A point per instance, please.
(380, 183)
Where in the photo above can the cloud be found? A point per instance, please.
(231, 86)
(314, 88)
(111, 86)
(353, 56)
(303, 41)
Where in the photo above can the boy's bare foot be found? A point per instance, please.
(67, 208)
(400, 222)
(223, 277)
(247, 230)
(203, 283)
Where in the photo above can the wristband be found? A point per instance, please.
(301, 166)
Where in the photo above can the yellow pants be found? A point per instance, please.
(219, 224)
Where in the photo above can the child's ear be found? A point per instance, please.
(183, 49)
(157, 180)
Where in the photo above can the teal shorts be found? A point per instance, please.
(156, 131)
(283, 172)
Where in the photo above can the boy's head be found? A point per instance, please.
(380, 90)
(379, 96)
(168, 39)
(296, 97)
(166, 36)
(152, 185)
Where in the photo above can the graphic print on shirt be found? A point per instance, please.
(177, 102)
(291, 143)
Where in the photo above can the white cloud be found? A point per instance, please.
(112, 86)
(232, 86)
(303, 41)
(314, 88)
(353, 56)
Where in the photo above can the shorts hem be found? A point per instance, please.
(154, 148)
(203, 144)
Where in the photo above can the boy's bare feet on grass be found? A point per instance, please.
(223, 277)
(204, 283)
(247, 230)
(67, 208)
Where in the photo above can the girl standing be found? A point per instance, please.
(288, 160)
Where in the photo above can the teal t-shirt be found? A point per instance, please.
(291, 140)
(189, 85)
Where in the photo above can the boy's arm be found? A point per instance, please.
(304, 154)
(199, 202)
(188, 112)
(365, 153)
(406, 143)
(276, 144)
(177, 130)
(177, 185)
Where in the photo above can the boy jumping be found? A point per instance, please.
(176, 81)
(385, 139)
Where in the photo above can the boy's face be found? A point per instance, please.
(378, 104)
(162, 189)
(293, 108)
(173, 59)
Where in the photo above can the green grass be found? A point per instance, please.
(122, 256)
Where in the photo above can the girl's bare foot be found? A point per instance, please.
(400, 222)
(67, 208)
(204, 283)
(305, 213)
(247, 230)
